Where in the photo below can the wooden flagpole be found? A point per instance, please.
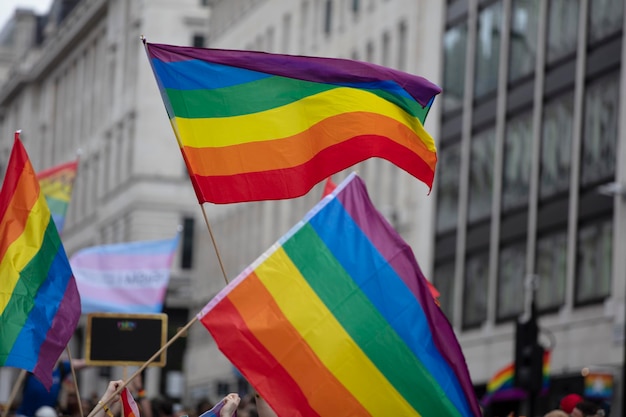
(14, 391)
(217, 252)
(80, 403)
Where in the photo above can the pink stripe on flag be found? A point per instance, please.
(121, 261)
(143, 296)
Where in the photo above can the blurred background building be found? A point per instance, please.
(530, 180)
(532, 116)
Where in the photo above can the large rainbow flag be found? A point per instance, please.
(39, 301)
(336, 319)
(56, 184)
(259, 126)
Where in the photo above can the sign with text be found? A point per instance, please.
(125, 339)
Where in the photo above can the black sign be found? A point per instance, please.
(125, 339)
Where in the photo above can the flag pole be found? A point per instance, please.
(16, 388)
(105, 401)
(217, 251)
(80, 403)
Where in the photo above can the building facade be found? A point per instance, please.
(402, 34)
(530, 184)
(78, 83)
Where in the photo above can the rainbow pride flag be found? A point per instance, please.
(257, 126)
(39, 301)
(56, 184)
(336, 319)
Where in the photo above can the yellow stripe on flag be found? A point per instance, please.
(290, 120)
(22, 250)
(303, 308)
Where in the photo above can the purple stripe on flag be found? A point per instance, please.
(60, 331)
(316, 69)
(411, 274)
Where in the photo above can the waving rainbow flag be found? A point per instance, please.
(336, 319)
(258, 126)
(56, 184)
(39, 302)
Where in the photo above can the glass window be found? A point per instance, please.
(600, 140)
(198, 41)
(562, 29)
(556, 146)
(454, 44)
(475, 291)
(551, 269)
(444, 282)
(524, 31)
(448, 186)
(481, 175)
(605, 18)
(511, 276)
(186, 259)
(488, 50)
(593, 261)
(516, 168)
(328, 17)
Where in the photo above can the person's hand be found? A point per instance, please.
(231, 402)
(111, 389)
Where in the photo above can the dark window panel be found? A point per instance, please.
(599, 145)
(511, 277)
(520, 96)
(455, 47)
(594, 257)
(186, 260)
(605, 18)
(553, 213)
(443, 280)
(445, 246)
(481, 175)
(551, 267)
(478, 236)
(562, 35)
(556, 146)
(516, 164)
(475, 290)
(489, 33)
(604, 58)
(484, 114)
(559, 78)
(513, 226)
(523, 39)
(447, 180)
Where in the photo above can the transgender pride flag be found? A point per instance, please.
(124, 277)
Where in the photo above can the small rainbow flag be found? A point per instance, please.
(56, 184)
(501, 385)
(257, 126)
(39, 301)
(337, 319)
